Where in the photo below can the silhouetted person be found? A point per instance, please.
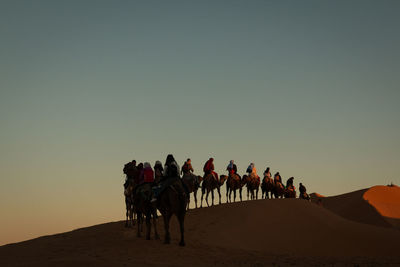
(171, 167)
(129, 170)
(302, 188)
(277, 178)
(187, 167)
(267, 173)
(289, 182)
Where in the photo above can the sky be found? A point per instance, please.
(307, 88)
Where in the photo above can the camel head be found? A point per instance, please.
(222, 179)
(200, 178)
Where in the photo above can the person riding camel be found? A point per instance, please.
(289, 183)
(251, 170)
(231, 168)
(146, 180)
(171, 167)
(278, 178)
(209, 169)
(187, 167)
(138, 179)
(129, 170)
(171, 170)
(148, 173)
(158, 171)
(267, 173)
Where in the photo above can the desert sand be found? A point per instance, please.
(342, 231)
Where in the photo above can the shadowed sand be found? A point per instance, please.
(251, 233)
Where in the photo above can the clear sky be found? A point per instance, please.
(308, 88)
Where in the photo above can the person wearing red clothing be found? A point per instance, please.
(148, 173)
(209, 169)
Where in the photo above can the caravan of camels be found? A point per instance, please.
(162, 188)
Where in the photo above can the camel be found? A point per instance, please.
(233, 183)
(192, 183)
(173, 200)
(290, 192)
(279, 189)
(129, 222)
(267, 186)
(209, 184)
(252, 184)
(143, 206)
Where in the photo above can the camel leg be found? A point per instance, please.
(195, 198)
(212, 197)
(234, 195)
(208, 191)
(240, 194)
(131, 216)
(257, 193)
(138, 223)
(167, 217)
(181, 219)
(148, 225)
(202, 194)
(219, 194)
(230, 196)
(188, 202)
(227, 192)
(156, 236)
(127, 218)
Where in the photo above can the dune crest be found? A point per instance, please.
(386, 201)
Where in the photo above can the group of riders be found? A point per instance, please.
(155, 179)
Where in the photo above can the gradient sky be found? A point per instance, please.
(309, 88)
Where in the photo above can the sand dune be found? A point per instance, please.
(263, 232)
(353, 206)
(386, 201)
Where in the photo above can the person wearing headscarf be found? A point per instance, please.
(187, 167)
(148, 173)
(277, 178)
(302, 189)
(129, 170)
(158, 171)
(289, 182)
(267, 173)
(171, 167)
(139, 169)
(231, 168)
(251, 170)
(209, 169)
